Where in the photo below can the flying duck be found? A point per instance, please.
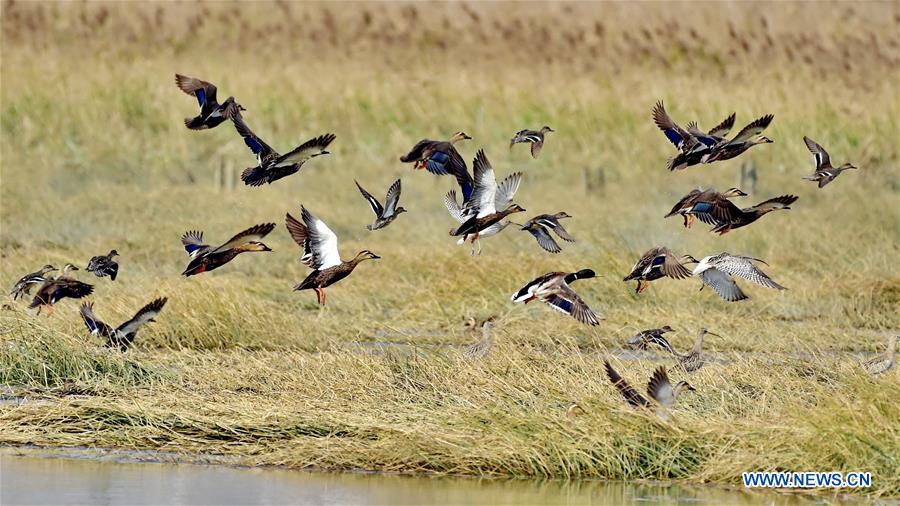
(212, 113)
(656, 263)
(122, 336)
(729, 217)
(442, 158)
(456, 211)
(643, 339)
(384, 215)
(104, 265)
(717, 272)
(57, 288)
(748, 137)
(553, 289)
(660, 389)
(540, 227)
(709, 205)
(694, 146)
(205, 258)
(270, 165)
(535, 137)
(27, 282)
(824, 173)
(320, 252)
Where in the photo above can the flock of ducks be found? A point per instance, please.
(484, 211)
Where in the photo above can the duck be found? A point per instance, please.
(482, 348)
(660, 389)
(748, 137)
(825, 172)
(270, 165)
(320, 252)
(456, 211)
(731, 217)
(205, 258)
(490, 202)
(643, 339)
(656, 263)
(693, 149)
(883, 362)
(122, 336)
(554, 289)
(387, 213)
(540, 227)
(718, 271)
(28, 281)
(693, 360)
(212, 113)
(104, 265)
(442, 158)
(706, 204)
(534, 137)
(59, 287)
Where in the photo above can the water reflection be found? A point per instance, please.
(36, 480)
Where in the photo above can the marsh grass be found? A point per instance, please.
(94, 156)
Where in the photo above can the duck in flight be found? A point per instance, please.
(60, 287)
(718, 271)
(387, 213)
(104, 265)
(122, 336)
(212, 113)
(205, 258)
(28, 281)
(825, 172)
(554, 289)
(533, 137)
(442, 158)
(540, 226)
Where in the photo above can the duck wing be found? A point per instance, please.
(299, 155)
(628, 392)
(319, 243)
(144, 315)
(373, 202)
(564, 299)
(721, 130)
(392, 198)
(723, 284)
(483, 198)
(263, 151)
(193, 243)
(743, 267)
(254, 233)
(753, 129)
(544, 239)
(678, 136)
(94, 325)
(204, 92)
(823, 161)
(452, 206)
(660, 388)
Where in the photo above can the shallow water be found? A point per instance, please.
(41, 480)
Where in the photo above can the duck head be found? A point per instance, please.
(254, 246)
(513, 208)
(400, 209)
(112, 253)
(546, 129)
(47, 268)
(734, 192)
(666, 328)
(847, 166)
(365, 255)
(562, 214)
(459, 136)
(763, 140)
(682, 386)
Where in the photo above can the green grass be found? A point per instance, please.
(94, 157)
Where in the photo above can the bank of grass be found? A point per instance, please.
(94, 157)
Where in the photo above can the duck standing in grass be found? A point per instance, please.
(643, 339)
(553, 289)
(104, 265)
(534, 137)
(28, 281)
(883, 362)
(270, 165)
(122, 336)
(320, 252)
(489, 204)
(748, 137)
(387, 213)
(212, 113)
(442, 158)
(717, 272)
(708, 205)
(205, 258)
(55, 289)
(824, 173)
(540, 227)
(657, 263)
(729, 217)
(660, 389)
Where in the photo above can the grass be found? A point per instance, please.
(94, 157)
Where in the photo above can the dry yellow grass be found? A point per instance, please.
(94, 156)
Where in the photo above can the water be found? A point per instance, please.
(26, 479)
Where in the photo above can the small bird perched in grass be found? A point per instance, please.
(660, 389)
(205, 258)
(320, 252)
(28, 281)
(534, 137)
(57, 288)
(104, 265)
(212, 113)
(825, 172)
(657, 263)
(270, 165)
(540, 227)
(716, 271)
(553, 289)
(122, 336)
(883, 362)
(387, 213)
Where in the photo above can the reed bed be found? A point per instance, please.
(95, 156)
